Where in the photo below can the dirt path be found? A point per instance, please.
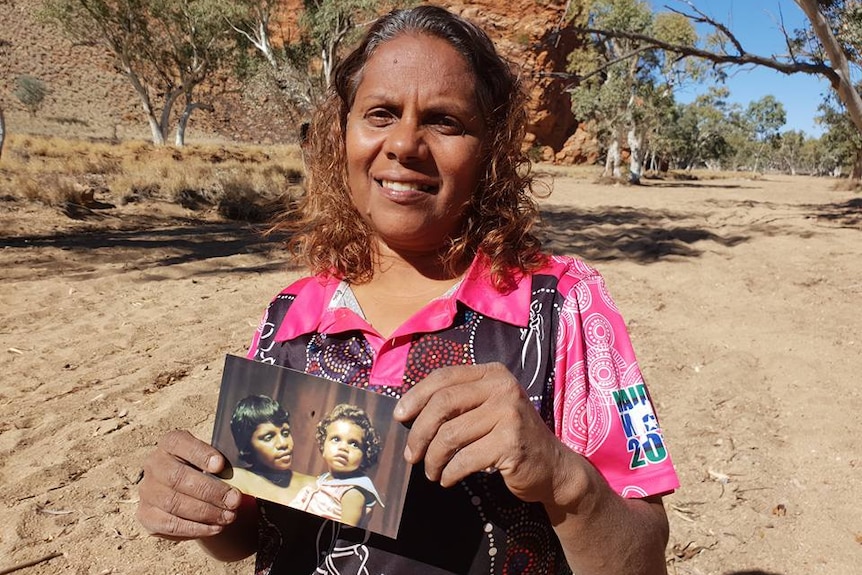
(742, 299)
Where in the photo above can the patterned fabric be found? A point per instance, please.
(558, 332)
(323, 497)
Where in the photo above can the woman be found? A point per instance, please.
(533, 438)
(261, 432)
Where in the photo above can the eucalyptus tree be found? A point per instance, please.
(790, 151)
(700, 131)
(623, 85)
(166, 49)
(302, 61)
(829, 46)
(766, 118)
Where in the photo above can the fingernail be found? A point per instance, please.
(408, 455)
(232, 499)
(399, 411)
(228, 516)
(212, 464)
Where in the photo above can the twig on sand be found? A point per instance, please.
(30, 563)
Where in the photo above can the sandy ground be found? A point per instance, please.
(743, 299)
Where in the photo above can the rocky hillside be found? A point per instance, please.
(89, 98)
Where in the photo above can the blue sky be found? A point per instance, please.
(756, 24)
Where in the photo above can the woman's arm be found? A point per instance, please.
(466, 419)
(600, 531)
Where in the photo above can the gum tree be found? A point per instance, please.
(623, 84)
(302, 64)
(829, 46)
(166, 49)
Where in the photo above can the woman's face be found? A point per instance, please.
(344, 447)
(272, 446)
(414, 142)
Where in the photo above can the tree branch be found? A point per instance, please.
(741, 59)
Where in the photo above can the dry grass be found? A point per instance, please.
(239, 181)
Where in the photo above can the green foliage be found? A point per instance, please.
(31, 92)
(842, 142)
(766, 117)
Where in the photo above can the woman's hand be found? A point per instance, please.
(471, 418)
(177, 500)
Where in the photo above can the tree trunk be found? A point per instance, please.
(2, 131)
(856, 174)
(180, 140)
(167, 107)
(612, 162)
(144, 96)
(844, 86)
(635, 141)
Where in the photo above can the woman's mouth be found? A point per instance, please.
(406, 186)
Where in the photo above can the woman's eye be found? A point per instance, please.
(268, 437)
(447, 125)
(379, 117)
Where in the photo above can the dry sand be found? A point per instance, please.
(743, 299)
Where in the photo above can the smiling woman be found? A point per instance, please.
(412, 145)
(428, 284)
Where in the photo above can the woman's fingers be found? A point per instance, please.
(470, 418)
(178, 500)
(179, 516)
(437, 401)
(186, 447)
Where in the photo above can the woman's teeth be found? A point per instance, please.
(404, 186)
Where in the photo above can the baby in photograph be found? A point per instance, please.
(350, 446)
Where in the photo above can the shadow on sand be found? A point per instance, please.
(644, 236)
(141, 247)
(607, 233)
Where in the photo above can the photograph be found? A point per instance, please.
(312, 444)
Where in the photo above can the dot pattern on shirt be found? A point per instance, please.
(348, 362)
(431, 351)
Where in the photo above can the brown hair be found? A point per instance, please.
(371, 440)
(330, 235)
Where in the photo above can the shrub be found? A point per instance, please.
(31, 92)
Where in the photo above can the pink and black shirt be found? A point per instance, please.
(558, 332)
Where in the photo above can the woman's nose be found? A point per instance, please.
(406, 142)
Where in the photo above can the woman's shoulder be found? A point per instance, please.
(568, 270)
(304, 283)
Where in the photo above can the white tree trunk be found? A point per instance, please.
(180, 140)
(612, 161)
(846, 92)
(635, 141)
(155, 128)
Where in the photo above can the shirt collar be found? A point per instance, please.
(310, 311)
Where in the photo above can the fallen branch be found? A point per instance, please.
(30, 563)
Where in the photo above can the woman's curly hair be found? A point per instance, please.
(347, 412)
(330, 235)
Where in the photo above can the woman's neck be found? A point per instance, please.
(402, 284)
(280, 478)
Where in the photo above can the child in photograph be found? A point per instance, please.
(261, 431)
(349, 445)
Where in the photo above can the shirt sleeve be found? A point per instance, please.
(602, 408)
